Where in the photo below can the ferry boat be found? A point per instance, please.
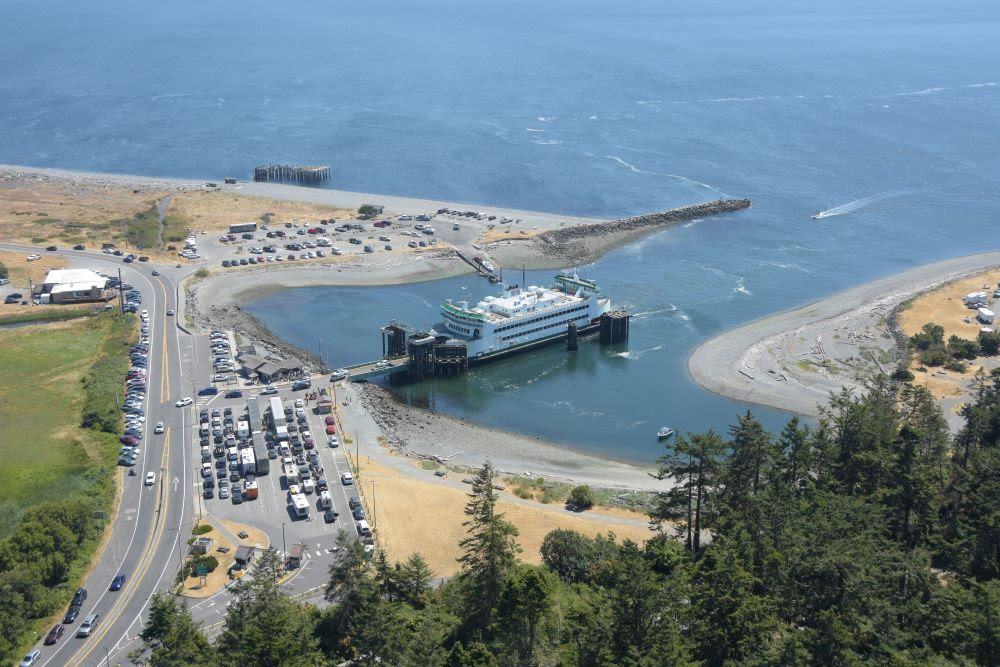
(522, 317)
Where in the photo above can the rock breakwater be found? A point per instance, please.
(566, 242)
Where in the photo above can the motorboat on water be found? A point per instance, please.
(664, 433)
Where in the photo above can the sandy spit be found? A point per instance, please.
(756, 363)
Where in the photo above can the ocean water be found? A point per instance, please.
(883, 115)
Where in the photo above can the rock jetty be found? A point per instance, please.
(560, 242)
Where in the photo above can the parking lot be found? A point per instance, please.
(294, 242)
(262, 498)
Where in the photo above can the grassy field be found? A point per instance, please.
(46, 453)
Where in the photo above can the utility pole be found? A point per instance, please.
(374, 515)
(107, 656)
(121, 293)
(357, 455)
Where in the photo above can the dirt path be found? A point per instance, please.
(162, 206)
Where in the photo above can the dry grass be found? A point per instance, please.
(66, 213)
(416, 516)
(506, 234)
(944, 306)
(216, 210)
(21, 270)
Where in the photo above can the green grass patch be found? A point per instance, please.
(806, 366)
(44, 316)
(201, 529)
(56, 474)
(429, 465)
(46, 221)
(175, 228)
(39, 239)
(142, 230)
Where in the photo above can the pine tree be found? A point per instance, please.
(171, 636)
(490, 551)
(692, 467)
(749, 464)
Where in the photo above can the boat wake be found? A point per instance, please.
(684, 179)
(858, 204)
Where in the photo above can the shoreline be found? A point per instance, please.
(792, 360)
(424, 434)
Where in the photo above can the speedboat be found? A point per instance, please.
(664, 433)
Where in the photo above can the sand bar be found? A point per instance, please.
(793, 360)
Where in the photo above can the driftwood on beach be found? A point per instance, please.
(671, 217)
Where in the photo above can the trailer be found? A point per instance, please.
(243, 429)
(281, 433)
(291, 473)
(254, 416)
(984, 315)
(247, 462)
(260, 453)
(300, 505)
(241, 227)
(277, 409)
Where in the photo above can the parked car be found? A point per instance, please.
(208, 391)
(346, 478)
(54, 634)
(31, 658)
(234, 393)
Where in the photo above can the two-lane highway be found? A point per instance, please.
(147, 529)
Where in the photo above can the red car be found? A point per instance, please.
(331, 429)
(54, 634)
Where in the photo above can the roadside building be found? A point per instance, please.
(270, 370)
(244, 556)
(73, 286)
(202, 545)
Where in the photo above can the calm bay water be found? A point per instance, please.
(887, 115)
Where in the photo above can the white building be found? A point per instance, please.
(73, 285)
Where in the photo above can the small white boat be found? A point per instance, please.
(664, 433)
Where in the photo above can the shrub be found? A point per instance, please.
(39, 239)
(989, 343)
(902, 374)
(934, 356)
(582, 496)
(4, 273)
(201, 529)
(931, 334)
(961, 348)
(957, 365)
(201, 273)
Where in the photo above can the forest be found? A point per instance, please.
(872, 537)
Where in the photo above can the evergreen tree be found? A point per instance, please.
(490, 551)
(750, 462)
(794, 466)
(691, 465)
(171, 637)
(414, 579)
(524, 603)
(264, 626)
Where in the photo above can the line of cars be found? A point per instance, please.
(135, 396)
(225, 437)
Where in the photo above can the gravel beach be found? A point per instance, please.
(793, 360)
(419, 432)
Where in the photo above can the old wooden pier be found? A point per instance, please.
(289, 173)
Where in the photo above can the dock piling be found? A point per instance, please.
(287, 173)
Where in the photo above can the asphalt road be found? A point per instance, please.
(149, 531)
(148, 528)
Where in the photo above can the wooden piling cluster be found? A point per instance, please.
(289, 173)
(614, 327)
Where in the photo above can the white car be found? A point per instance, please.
(144, 314)
(159, 428)
(33, 258)
(346, 478)
(150, 478)
(333, 441)
(184, 401)
(267, 391)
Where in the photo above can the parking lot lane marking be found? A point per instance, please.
(145, 560)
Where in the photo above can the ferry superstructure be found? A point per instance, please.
(522, 316)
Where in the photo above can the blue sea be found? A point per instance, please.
(885, 115)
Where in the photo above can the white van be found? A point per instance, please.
(325, 501)
(363, 528)
(308, 486)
